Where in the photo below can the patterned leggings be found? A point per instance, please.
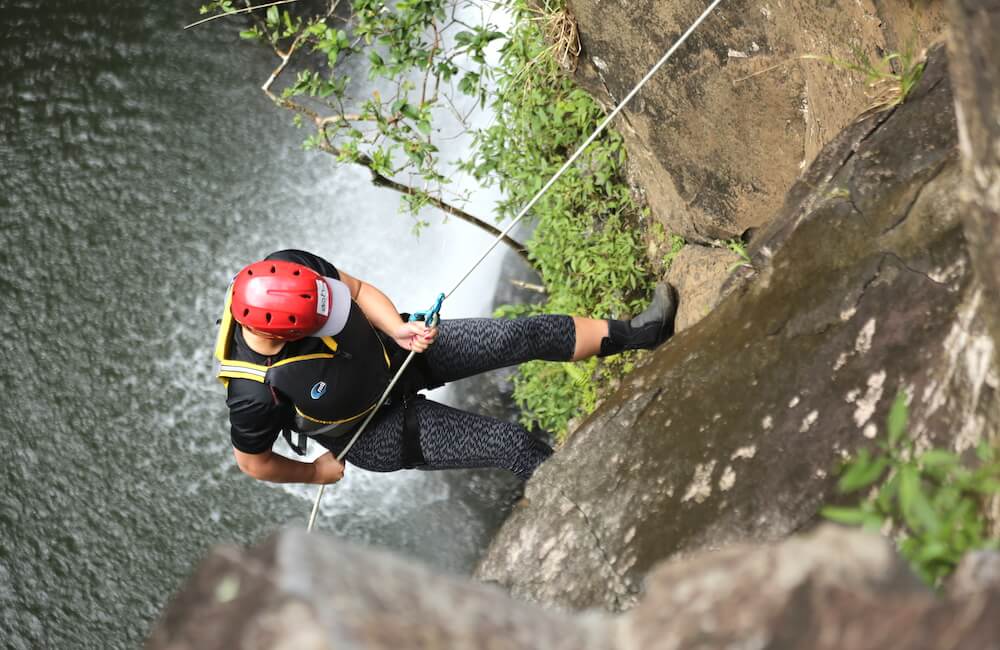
(451, 438)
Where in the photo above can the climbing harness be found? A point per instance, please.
(432, 315)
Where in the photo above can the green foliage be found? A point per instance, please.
(419, 52)
(931, 498)
(220, 6)
(677, 244)
(586, 243)
(738, 248)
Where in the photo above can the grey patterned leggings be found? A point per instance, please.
(451, 438)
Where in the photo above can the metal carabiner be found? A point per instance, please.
(432, 316)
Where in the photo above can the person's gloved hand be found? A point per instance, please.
(415, 336)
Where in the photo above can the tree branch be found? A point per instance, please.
(379, 180)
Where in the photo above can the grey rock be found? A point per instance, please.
(833, 589)
(717, 137)
(978, 570)
(309, 592)
(698, 273)
(732, 431)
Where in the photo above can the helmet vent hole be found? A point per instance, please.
(249, 271)
(292, 319)
(267, 317)
(296, 272)
(274, 269)
(246, 312)
(305, 295)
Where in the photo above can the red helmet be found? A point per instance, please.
(283, 299)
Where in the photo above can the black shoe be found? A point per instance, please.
(647, 330)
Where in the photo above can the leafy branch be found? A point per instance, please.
(390, 136)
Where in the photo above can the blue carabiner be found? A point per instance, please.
(432, 315)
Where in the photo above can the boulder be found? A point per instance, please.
(733, 430)
(298, 591)
(717, 137)
(830, 590)
(698, 273)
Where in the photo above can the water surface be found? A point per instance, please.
(141, 167)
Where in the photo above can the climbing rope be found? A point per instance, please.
(433, 312)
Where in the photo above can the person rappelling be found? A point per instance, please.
(305, 349)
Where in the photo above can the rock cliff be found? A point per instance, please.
(861, 287)
(718, 137)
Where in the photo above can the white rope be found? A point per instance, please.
(520, 215)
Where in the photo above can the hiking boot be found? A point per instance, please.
(647, 330)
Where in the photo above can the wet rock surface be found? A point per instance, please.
(831, 590)
(862, 288)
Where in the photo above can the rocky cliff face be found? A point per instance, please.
(717, 138)
(861, 288)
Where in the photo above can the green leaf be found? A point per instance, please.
(887, 494)
(937, 458)
(409, 111)
(913, 502)
(849, 516)
(861, 472)
(272, 15)
(897, 418)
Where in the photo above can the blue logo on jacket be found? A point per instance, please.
(318, 389)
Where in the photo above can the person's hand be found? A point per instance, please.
(328, 469)
(415, 336)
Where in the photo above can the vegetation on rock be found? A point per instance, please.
(930, 499)
(890, 80)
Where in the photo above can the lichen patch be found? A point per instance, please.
(744, 452)
(867, 403)
(864, 341)
(728, 478)
(701, 484)
(808, 421)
